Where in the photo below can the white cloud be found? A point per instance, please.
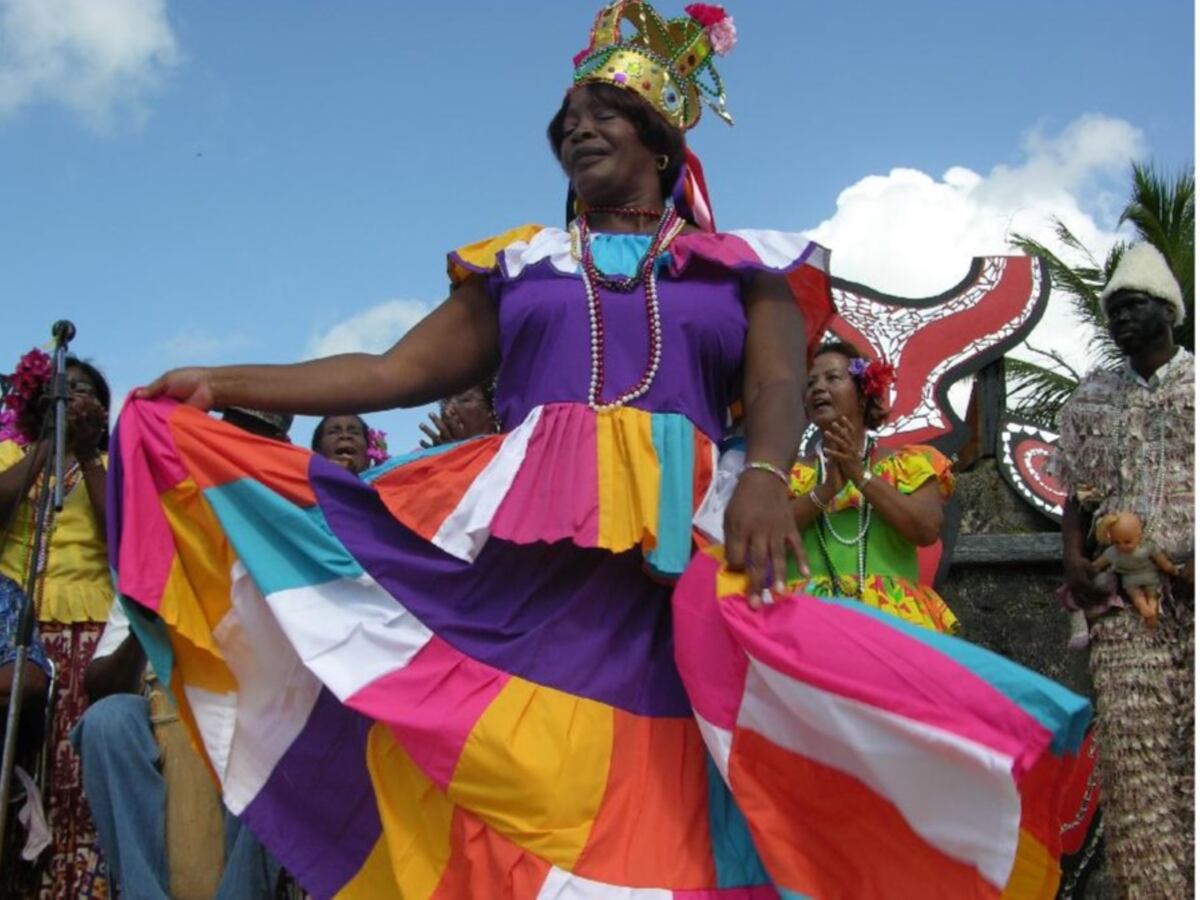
(911, 234)
(98, 58)
(192, 346)
(371, 331)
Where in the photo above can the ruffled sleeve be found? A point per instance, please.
(484, 257)
(910, 467)
(803, 263)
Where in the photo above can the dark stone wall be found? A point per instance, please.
(1007, 566)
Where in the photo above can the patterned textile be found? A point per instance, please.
(1127, 444)
(11, 598)
(71, 867)
(893, 582)
(1143, 713)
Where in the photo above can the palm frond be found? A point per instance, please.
(1038, 392)
(1080, 284)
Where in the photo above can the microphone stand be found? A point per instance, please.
(63, 332)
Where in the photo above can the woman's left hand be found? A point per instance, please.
(760, 531)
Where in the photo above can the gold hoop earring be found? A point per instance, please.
(662, 161)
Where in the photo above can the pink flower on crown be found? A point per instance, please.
(723, 36)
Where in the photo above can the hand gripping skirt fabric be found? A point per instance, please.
(873, 757)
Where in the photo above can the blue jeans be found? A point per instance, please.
(127, 796)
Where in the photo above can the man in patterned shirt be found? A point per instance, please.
(1127, 445)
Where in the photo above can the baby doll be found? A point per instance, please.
(1136, 562)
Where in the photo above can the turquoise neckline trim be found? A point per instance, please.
(619, 254)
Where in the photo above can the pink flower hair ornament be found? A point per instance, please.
(34, 371)
(377, 448)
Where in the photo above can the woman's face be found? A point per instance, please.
(79, 382)
(344, 442)
(602, 153)
(470, 413)
(832, 392)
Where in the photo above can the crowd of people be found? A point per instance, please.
(591, 376)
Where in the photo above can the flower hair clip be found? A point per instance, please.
(377, 448)
(874, 377)
(32, 374)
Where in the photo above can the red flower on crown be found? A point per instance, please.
(706, 14)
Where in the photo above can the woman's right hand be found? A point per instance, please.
(87, 422)
(833, 482)
(834, 479)
(192, 386)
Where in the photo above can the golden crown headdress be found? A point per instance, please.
(667, 62)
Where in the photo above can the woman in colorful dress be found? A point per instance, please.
(867, 549)
(72, 598)
(457, 677)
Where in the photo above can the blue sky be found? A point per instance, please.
(219, 182)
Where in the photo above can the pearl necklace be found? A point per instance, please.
(669, 226)
(859, 539)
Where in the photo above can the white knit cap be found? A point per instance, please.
(1143, 269)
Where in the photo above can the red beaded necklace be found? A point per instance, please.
(625, 212)
(669, 225)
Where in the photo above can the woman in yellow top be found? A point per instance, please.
(867, 550)
(72, 598)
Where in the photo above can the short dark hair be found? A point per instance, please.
(319, 432)
(658, 135)
(103, 394)
(876, 413)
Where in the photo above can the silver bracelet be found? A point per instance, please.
(773, 470)
(867, 475)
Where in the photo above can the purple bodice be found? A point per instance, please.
(544, 339)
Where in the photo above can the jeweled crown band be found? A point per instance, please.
(667, 62)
